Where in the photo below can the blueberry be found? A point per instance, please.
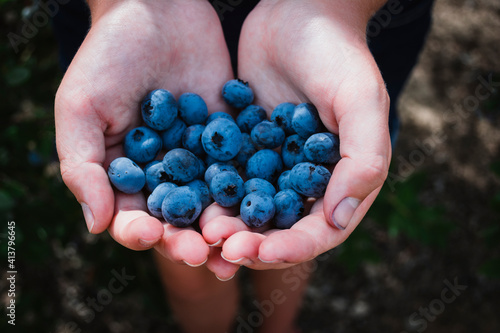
(249, 117)
(322, 148)
(181, 206)
(305, 120)
(237, 93)
(257, 184)
(181, 166)
(126, 176)
(192, 109)
(267, 134)
(292, 151)
(142, 144)
(219, 114)
(227, 188)
(149, 165)
(155, 175)
(200, 187)
(172, 137)
(310, 179)
(246, 151)
(216, 168)
(282, 116)
(155, 199)
(257, 209)
(209, 160)
(289, 208)
(202, 168)
(221, 139)
(159, 109)
(191, 139)
(284, 181)
(265, 164)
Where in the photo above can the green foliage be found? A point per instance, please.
(357, 249)
(398, 213)
(402, 212)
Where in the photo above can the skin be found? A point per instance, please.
(282, 53)
(97, 104)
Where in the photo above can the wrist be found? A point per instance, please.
(99, 7)
(352, 14)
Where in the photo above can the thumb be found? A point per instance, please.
(361, 108)
(81, 149)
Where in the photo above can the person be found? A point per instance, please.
(345, 57)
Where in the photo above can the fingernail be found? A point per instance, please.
(195, 265)
(216, 243)
(232, 261)
(271, 261)
(89, 217)
(224, 280)
(343, 213)
(147, 243)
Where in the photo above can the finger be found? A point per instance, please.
(132, 226)
(183, 245)
(360, 108)
(221, 227)
(215, 210)
(242, 248)
(308, 238)
(81, 150)
(223, 269)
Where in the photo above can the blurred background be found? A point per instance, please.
(426, 257)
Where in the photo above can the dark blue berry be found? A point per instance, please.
(227, 188)
(265, 164)
(126, 175)
(192, 109)
(142, 144)
(221, 139)
(257, 209)
(249, 117)
(289, 209)
(305, 120)
(159, 109)
(310, 179)
(322, 148)
(181, 206)
(267, 134)
(237, 93)
(292, 151)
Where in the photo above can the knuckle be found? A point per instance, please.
(375, 169)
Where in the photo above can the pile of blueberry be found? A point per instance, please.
(208, 157)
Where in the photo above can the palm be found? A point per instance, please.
(291, 54)
(132, 50)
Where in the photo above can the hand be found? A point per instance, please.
(315, 51)
(132, 48)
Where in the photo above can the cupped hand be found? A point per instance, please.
(315, 51)
(132, 48)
